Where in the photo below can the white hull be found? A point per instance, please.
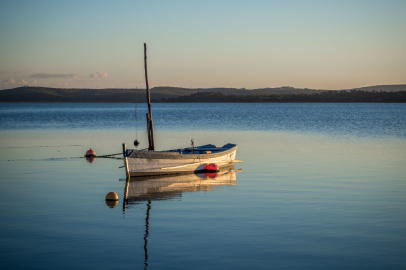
(143, 163)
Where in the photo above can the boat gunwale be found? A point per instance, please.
(177, 155)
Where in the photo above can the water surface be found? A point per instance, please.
(322, 186)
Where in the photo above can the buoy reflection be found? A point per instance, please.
(111, 204)
(90, 159)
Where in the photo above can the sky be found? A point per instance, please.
(200, 44)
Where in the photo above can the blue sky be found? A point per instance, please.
(251, 44)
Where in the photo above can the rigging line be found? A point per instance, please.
(136, 103)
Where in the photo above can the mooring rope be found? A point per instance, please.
(112, 156)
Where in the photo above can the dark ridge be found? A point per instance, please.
(325, 96)
(380, 93)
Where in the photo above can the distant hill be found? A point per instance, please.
(383, 88)
(287, 90)
(353, 96)
(44, 94)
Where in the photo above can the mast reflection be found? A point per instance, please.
(140, 189)
(146, 236)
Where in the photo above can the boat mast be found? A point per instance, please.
(150, 126)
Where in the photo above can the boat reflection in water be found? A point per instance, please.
(140, 189)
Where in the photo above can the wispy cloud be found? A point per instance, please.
(3, 71)
(18, 71)
(99, 74)
(52, 75)
(8, 82)
(4, 84)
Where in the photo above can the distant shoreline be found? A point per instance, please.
(370, 94)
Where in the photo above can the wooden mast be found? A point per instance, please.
(150, 126)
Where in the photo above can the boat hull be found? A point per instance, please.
(143, 163)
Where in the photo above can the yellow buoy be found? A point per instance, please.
(111, 196)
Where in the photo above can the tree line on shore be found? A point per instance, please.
(325, 96)
(175, 94)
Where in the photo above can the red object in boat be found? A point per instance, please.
(211, 167)
(90, 153)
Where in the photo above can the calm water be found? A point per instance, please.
(323, 186)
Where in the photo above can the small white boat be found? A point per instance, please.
(177, 161)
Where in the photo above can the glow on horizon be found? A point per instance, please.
(250, 44)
